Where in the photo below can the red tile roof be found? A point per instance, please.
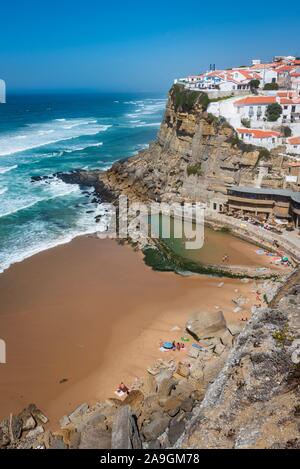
(285, 68)
(294, 140)
(263, 66)
(248, 74)
(255, 100)
(257, 133)
(286, 94)
(289, 100)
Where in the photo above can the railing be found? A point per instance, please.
(257, 232)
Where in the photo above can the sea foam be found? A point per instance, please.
(39, 135)
(8, 169)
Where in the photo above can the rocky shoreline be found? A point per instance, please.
(254, 402)
(155, 413)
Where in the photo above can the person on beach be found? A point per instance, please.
(258, 297)
(225, 259)
(123, 388)
(178, 347)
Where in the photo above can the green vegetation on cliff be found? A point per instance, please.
(234, 140)
(194, 170)
(185, 100)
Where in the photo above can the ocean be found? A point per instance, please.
(42, 134)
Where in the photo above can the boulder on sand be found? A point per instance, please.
(95, 438)
(125, 434)
(206, 324)
(155, 428)
(135, 400)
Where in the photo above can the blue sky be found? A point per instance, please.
(134, 45)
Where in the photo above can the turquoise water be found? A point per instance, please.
(44, 134)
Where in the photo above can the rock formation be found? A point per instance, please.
(254, 402)
(196, 157)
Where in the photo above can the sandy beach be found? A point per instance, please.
(82, 317)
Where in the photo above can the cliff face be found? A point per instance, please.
(254, 402)
(196, 157)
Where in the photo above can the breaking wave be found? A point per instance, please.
(39, 135)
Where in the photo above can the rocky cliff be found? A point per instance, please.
(255, 401)
(196, 157)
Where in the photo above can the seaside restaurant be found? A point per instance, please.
(264, 202)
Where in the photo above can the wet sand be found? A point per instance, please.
(91, 314)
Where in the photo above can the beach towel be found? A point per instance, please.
(197, 346)
(162, 349)
(185, 339)
(120, 393)
(168, 345)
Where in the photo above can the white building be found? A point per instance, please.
(290, 109)
(267, 72)
(262, 138)
(293, 146)
(254, 107)
(226, 80)
(295, 81)
(232, 85)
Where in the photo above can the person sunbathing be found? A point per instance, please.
(123, 388)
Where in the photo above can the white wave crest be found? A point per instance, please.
(145, 124)
(8, 169)
(51, 190)
(82, 148)
(86, 225)
(39, 135)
